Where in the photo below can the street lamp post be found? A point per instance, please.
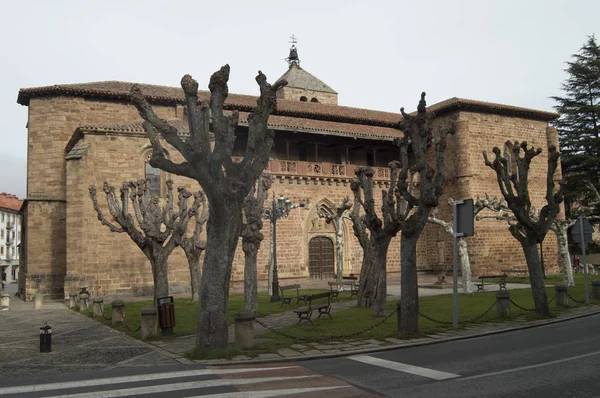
(279, 208)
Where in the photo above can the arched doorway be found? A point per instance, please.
(321, 258)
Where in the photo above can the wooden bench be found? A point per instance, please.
(482, 278)
(336, 287)
(316, 302)
(521, 273)
(288, 299)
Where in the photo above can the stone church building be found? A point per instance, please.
(84, 134)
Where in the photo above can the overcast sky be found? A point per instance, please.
(375, 54)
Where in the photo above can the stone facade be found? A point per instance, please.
(81, 135)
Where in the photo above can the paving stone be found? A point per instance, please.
(269, 356)
(286, 352)
(372, 341)
(395, 341)
(312, 352)
(299, 346)
(240, 358)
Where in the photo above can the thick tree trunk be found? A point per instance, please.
(538, 289)
(250, 281)
(223, 231)
(563, 250)
(465, 264)
(365, 287)
(160, 274)
(195, 274)
(409, 294)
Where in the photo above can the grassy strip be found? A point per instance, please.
(186, 312)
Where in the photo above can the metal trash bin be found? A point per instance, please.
(45, 338)
(166, 315)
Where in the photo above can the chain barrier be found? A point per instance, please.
(577, 301)
(519, 307)
(108, 318)
(552, 299)
(470, 320)
(130, 328)
(329, 338)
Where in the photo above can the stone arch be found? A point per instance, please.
(145, 152)
(318, 227)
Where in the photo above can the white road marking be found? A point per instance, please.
(163, 388)
(269, 393)
(589, 354)
(129, 379)
(403, 367)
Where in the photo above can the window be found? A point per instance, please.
(2, 233)
(2, 217)
(152, 176)
(314, 100)
(303, 99)
(302, 154)
(1, 250)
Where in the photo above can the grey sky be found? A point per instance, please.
(375, 54)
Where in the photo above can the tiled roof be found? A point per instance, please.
(275, 122)
(115, 90)
(77, 151)
(10, 202)
(299, 78)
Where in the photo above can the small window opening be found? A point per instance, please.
(314, 100)
(303, 99)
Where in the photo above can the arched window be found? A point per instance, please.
(303, 99)
(314, 100)
(152, 175)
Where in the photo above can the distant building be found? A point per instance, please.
(83, 134)
(10, 236)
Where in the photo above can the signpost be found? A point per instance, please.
(463, 221)
(582, 233)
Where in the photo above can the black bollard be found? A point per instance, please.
(45, 338)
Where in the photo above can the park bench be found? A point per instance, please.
(336, 287)
(316, 302)
(482, 278)
(521, 273)
(288, 299)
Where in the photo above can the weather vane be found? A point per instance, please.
(293, 58)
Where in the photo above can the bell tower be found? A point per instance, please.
(302, 86)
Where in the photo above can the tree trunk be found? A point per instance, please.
(409, 294)
(538, 289)
(380, 287)
(365, 288)
(563, 250)
(339, 247)
(195, 274)
(223, 231)
(465, 265)
(250, 281)
(160, 274)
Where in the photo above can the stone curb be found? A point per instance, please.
(408, 344)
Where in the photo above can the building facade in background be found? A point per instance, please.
(10, 236)
(84, 134)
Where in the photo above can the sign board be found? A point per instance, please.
(464, 217)
(588, 230)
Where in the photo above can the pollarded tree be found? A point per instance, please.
(418, 133)
(372, 288)
(193, 245)
(251, 238)
(226, 183)
(341, 213)
(579, 124)
(152, 228)
(463, 252)
(529, 229)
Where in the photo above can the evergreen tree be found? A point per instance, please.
(579, 124)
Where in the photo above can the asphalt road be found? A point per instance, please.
(558, 360)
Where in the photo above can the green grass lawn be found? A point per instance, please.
(355, 320)
(186, 312)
